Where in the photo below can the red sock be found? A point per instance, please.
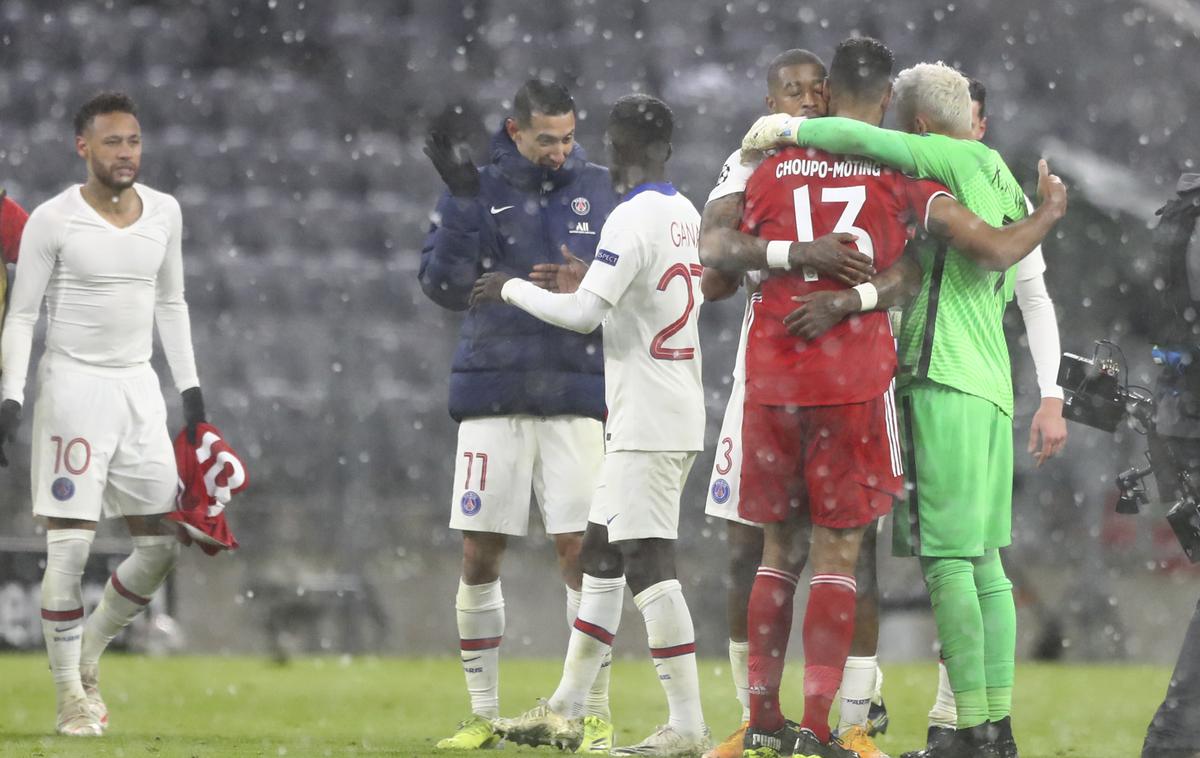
(828, 631)
(769, 620)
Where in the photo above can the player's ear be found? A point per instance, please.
(510, 126)
(81, 146)
(982, 127)
(770, 102)
(887, 98)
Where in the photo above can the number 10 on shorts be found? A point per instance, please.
(75, 456)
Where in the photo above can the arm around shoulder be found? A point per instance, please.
(999, 248)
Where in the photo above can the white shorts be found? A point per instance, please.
(639, 492)
(100, 443)
(501, 457)
(724, 485)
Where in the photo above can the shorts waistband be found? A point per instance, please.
(57, 360)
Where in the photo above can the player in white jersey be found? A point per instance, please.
(106, 258)
(795, 80)
(642, 286)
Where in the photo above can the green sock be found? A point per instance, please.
(951, 584)
(999, 632)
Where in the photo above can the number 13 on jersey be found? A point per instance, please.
(853, 198)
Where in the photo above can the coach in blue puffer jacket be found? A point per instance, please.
(529, 396)
(508, 362)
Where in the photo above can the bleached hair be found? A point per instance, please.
(938, 93)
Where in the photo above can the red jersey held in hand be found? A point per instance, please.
(210, 474)
(802, 194)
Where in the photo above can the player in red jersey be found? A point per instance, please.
(822, 460)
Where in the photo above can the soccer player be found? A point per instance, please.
(106, 256)
(1048, 430)
(525, 420)
(795, 85)
(642, 286)
(956, 394)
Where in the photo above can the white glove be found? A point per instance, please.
(775, 130)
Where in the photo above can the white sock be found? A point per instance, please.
(672, 642)
(592, 635)
(128, 592)
(877, 696)
(480, 611)
(596, 701)
(945, 710)
(62, 607)
(858, 686)
(739, 666)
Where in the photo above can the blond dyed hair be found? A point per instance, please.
(936, 92)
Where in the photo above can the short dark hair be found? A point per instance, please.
(862, 67)
(640, 127)
(104, 102)
(978, 95)
(793, 57)
(539, 96)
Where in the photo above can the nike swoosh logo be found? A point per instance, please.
(609, 520)
(468, 660)
(496, 210)
(65, 628)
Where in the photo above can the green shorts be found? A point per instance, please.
(958, 465)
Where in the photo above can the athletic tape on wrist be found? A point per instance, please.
(777, 254)
(868, 294)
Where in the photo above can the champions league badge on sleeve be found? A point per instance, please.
(62, 488)
(720, 491)
(470, 503)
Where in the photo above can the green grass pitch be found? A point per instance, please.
(232, 706)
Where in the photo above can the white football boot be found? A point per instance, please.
(76, 719)
(668, 743)
(90, 677)
(541, 726)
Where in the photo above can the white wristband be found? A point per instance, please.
(868, 294)
(777, 254)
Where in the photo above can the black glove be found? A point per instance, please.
(10, 419)
(193, 411)
(454, 165)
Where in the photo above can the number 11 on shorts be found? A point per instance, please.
(483, 459)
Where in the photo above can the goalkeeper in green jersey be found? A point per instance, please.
(955, 390)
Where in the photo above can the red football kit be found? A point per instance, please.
(819, 425)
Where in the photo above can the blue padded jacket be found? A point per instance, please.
(508, 362)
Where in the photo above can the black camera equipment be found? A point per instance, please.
(1097, 395)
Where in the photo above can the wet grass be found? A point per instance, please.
(234, 706)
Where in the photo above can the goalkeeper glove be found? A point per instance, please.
(776, 130)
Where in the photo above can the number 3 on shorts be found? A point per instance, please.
(75, 456)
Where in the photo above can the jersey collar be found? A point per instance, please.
(663, 188)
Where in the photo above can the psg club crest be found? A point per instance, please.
(470, 503)
(720, 491)
(62, 488)
(581, 206)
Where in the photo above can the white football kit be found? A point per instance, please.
(644, 278)
(725, 480)
(100, 440)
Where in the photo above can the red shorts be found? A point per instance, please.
(840, 462)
